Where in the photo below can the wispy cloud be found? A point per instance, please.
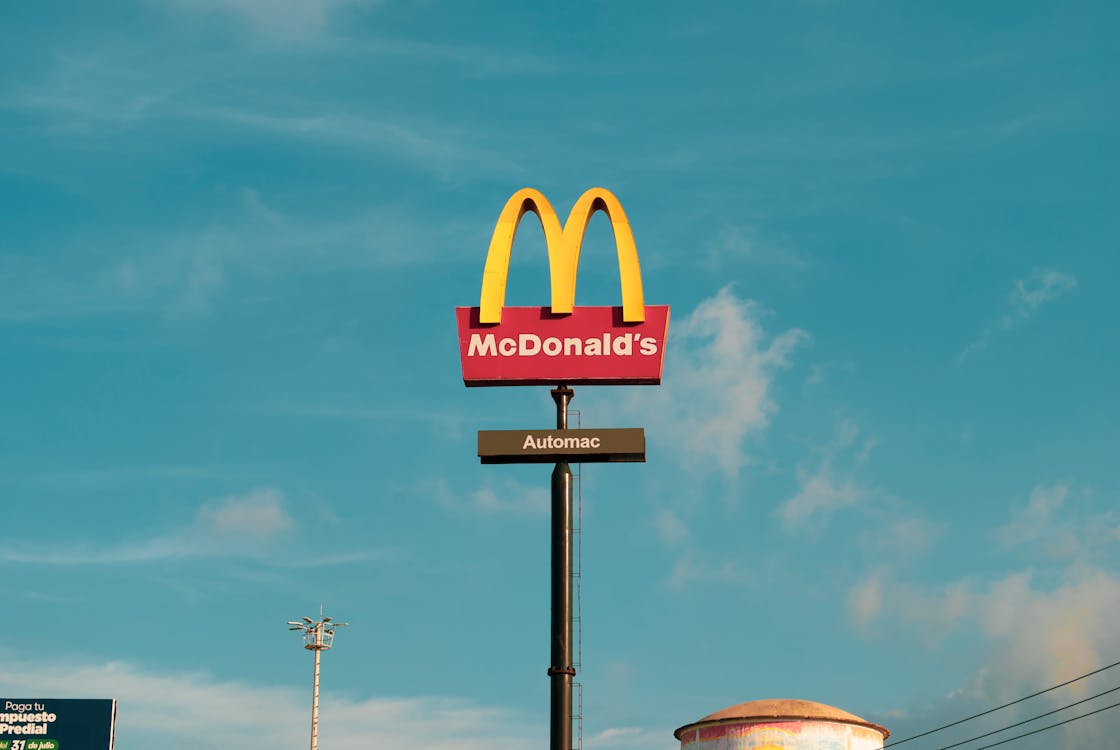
(505, 497)
(116, 98)
(736, 246)
(715, 400)
(623, 738)
(236, 526)
(1045, 633)
(286, 19)
(252, 518)
(1035, 518)
(331, 559)
(1051, 525)
(670, 527)
(323, 25)
(34, 288)
(717, 389)
(1038, 626)
(822, 492)
(108, 476)
(447, 424)
(865, 600)
(1035, 633)
(929, 613)
(1028, 296)
(693, 567)
(151, 710)
(430, 146)
(820, 496)
(903, 537)
(1076, 544)
(258, 514)
(186, 272)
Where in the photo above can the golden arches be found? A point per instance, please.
(563, 252)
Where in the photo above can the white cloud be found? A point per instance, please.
(329, 559)
(931, 613)
(1056, 522)
(206, 275)
(737, 245)
(903, 538)
(433, 146)
(623, 738)
(1037, 630)
(1047, 635)
(865, 601)
(1036, 517)
(189, 270)
(820, 496)
(716, 392)
(258, 514)
(1042, 287)
(506, 497)
(821, 492)
(689, 568)
(235, 526)
(1060, 611)
(1028, 295)
(190, 710)
(281, 18)
(512, 498)
(670, 527)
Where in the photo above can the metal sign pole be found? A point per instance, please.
(560, 670)
(563, 344)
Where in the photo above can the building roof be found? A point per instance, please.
(781, 709)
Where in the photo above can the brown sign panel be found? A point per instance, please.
(550, 446)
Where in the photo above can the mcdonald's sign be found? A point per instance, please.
(563, 343)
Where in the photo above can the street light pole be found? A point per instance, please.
(318, 636)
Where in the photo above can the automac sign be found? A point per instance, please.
(547, 446)
(562, 343)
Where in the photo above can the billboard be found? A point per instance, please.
(563, 343)
(57, 723)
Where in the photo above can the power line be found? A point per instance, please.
(1005, 705)
(1043, 729)
(1028, 721)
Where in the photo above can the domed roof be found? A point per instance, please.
(781, 709)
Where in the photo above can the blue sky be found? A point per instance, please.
(882, 465)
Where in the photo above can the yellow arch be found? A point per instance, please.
(563, 252)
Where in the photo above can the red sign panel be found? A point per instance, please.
(589, 346)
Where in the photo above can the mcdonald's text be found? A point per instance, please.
(534, 346)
